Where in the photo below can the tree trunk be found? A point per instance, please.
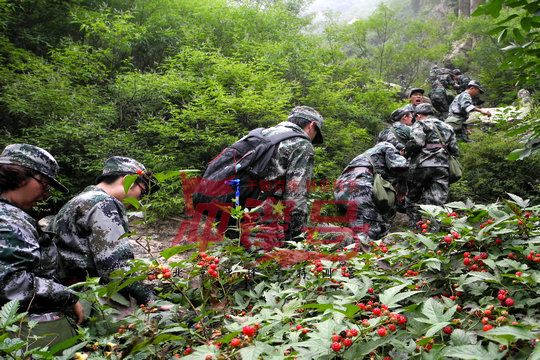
(464, 8)
(475, 3)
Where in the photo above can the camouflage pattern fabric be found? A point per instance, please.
(428, 181)
(459, 113)
(28, 264)
(122, 165)
(355, 187)
(35, 158)
(89, 230)
(287, 180)
(408, 107)
(425, 148)
(402, 131)
(439, 99)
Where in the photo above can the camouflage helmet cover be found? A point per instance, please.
(424, 108)
(456, 72)
(398, 114)
(416, 90)
(34, 158)
(310, 114)
(120, 165)
(476, 84)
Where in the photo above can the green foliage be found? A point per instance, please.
(468, 291)
(489, 176)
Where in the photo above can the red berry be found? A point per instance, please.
(487, 312)
(249, 330)
(299, 327)
(167, 275)
(354, 332)
(447, 330)
(509, 301)
(235, 342)
(370, 290)
(381, 331)
(484, 255)
(213, 266)
(456, 235)
(336, 338)
(188, 351)
(485, 320)
(467, 261)
(336, 346)
(347, 342)
(424, 226)
(377, 312)
(487, 327)
(392, 327)
(151, 277)
(501, 296)
(519, 273)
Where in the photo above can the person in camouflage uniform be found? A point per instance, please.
(462, 106)
(282, 208)
(439, 98)
(354, 187)
(28, 260)
(416, 97)
(428, 174)
(90, 227)
(460, 80)
(398, 134)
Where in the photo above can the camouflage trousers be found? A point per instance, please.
(355, 198)
(427, 185)
(459, 126)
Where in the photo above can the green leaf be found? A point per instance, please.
(460, 337)
(8, 313)
(132, 201)
(433, 310)
(436, 328)
(535, 355)
(128, 181)
(360, 349)
(470, 352)
(526, 23)
(427, 242)
(174, 250)
(507, 335)
(253, 352)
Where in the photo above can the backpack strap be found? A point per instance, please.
(443, 144)
(372, 165)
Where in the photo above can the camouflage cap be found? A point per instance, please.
(310, 114)
(416, 90)
(403, 132)
(119, 165)
(456, 72)
(398, 114)
(476, 84)
(424, 109)
(35, 158)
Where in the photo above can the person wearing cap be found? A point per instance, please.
(462, 106)
(90, 228)
(287, 179)
(429, 178)
(398, 134)
(416, 97)
(353, 190)
(28, 260)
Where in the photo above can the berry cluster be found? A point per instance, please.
(210, 262)
(410, 273)
(300, 328)
(535, 257)
(343, 340)
(475, 263)
(159, 272)
(504, 299)
(424, 225)
(452, 214)
(486, 223)
(448, 239)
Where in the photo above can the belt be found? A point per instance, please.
(434, 146)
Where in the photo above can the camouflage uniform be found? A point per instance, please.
(89, 230)
(439, 98)
(287, 180)
(428, 175)
(459, 113)
(355, 187)
(28, 258)
(403, 133)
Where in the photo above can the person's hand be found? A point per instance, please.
(79, 312)
(486, 112)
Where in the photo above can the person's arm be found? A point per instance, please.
(109, 249)
(19, 258)
(466, 103)
(394, 161)
(417, 140)
(297, 178)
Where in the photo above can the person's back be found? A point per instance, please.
(90, 228)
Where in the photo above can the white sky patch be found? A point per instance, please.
(346, 10)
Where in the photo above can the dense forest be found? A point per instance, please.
(172, 82)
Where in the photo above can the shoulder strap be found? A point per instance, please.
(372, 165)
(277, 138)
(395, 134)
(440, 138)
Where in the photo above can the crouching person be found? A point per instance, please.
(90, 230)
(28, 257)
(354, 188)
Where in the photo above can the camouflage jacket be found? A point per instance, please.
(409, 107)
(462, 106)
(389, 135)
(292, 166)
(384, 156)
(28, 264)
(425, 148)
(89, 230)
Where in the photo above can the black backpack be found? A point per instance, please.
(234, 175)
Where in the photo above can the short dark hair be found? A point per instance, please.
(147, 180)
(12, 176)
(300, 121)
(109, 178)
